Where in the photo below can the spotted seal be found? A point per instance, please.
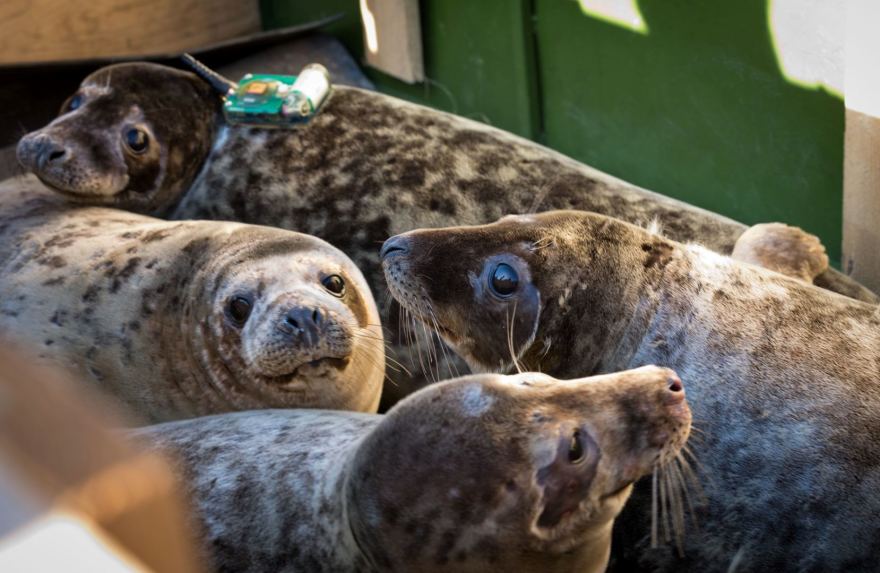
(781, 376)
(151, 139)
(481, 473)
(180, 319)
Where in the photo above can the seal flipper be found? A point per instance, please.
(782, 248)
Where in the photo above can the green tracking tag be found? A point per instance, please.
(268, 100)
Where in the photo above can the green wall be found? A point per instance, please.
(697, 108)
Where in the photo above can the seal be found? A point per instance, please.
(151, 139)
(784, 249)
(180, 319)
(482, 473)
(782, 376)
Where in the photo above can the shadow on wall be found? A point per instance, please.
(695, 107)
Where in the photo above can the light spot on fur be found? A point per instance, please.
(475, 402)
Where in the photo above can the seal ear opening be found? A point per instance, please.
(567, 480)
(221, 84)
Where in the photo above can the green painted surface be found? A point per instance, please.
(478, 56)
(697, 108)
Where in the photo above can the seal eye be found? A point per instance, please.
(334, 284)
(239, 309)
(137, 140)
(576, 448)
(75, 102)
(504, 280)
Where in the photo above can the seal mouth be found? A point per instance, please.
(617, 492)
(327, 364)
(75, 192)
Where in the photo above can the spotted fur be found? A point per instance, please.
(459, 477)
(367, 167)
(782, 376)
(140, 307)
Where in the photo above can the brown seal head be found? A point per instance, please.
(187, 318)
(781, 375)
(133, 136)
(483, 473)
(784, 249)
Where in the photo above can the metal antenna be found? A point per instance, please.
(216, 81)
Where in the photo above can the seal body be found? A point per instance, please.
(482, 473)
(782, 376)
(366, 167)
(365, 157)
(186, 318)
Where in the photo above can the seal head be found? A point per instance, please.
(522, 472)
(485, 289)
(289, 322)
(133, 136)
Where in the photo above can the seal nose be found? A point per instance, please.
(674, 389)
(40, 151)
(303, 324)
(396, 245)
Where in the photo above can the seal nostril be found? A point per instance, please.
(394, 245)
(317, 316)
(674, 384)
(57, 154)
(290, 320)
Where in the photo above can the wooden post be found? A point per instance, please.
(393, 38)
(861, 160)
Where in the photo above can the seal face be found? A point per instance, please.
(781, 374)
(187, 318)
(132, 136)
(487, 472)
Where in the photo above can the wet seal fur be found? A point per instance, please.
(483, 473)
(152, 311)
(368, 166)
(782, 377)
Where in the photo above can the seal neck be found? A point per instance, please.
(362, 559)
(199, 157)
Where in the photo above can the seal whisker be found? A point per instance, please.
(431, 356)
(691, 477)
(447, 361)
(509, 333)
(664, 507)
(683, 485)
(678, 524)
(654, 509)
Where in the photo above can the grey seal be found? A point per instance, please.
(180, 319)
(151, 139)
(483, 473)
(782, 376)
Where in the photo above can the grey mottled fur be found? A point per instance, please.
(782, 376)
(367, 167)
(455, 478)
(138, 307)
